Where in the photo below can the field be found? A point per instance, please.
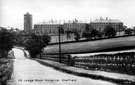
(55, 39)
(92, 46)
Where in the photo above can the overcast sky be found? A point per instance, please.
(12, 11)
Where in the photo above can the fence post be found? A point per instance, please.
(69, 60)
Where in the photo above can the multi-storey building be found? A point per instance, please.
(47, 28)
(101, 23)
(74, 26)
(51, 28)
(27, 22)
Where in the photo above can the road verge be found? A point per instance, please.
(71, 70)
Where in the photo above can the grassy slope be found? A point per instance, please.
(92, 46)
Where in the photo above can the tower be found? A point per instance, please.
(27, 22)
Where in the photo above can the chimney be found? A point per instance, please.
(100, 18)
(106, 18)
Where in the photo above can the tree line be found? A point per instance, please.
(34, 43)
(90, 33)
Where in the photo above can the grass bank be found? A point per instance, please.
(63, 67)
(6, 68)
(93, 46)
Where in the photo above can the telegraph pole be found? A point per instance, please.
(59, 44)
(119, 29)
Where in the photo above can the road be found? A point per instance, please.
(30, 72)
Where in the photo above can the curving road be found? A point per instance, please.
(30, 72)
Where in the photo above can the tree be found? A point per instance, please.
(61, 30)
(94, 33)
(35, 43)
(109, 31)
(134, 30)
(7, 41)
(77, 36)
(86, 35)
(87, 32)
(128, 31)
(46, 38)
(87, 28)
(68, 34)
(100, 34)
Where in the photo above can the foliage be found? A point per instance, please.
(68, 34)
(20, 37)
(6, 67)
(86, 35)
(109, 31)
(87, 28)
(7, 41)
(100, 34)
(77, 36)
(61, 29)
(46, 39)
(94, 33)
(128, 31)
(35, 43)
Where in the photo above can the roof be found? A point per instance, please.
(74, 22)
(106, 21)
(47, 23)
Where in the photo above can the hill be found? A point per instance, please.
(93, 46)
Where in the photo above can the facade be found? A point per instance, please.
(51, 28)
(27, 22)
(74, 26)
(47, 28)
(100, 24)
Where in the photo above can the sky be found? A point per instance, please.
(12, 11)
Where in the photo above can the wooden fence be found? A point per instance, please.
(64, 58)
(120, 62)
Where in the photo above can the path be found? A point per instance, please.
(30, 72)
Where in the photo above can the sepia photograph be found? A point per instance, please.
(67, 42)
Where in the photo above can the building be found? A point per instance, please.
(74, 26)
(101, 23)
(27, 22)
(47, 28)
(51, 28)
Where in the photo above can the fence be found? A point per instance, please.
(120, 62)
(66, 59)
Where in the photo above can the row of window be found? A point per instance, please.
(47, 32)
(44, 26)
(106, 24)
(67, 25)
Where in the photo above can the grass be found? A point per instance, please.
(93, 46)
(6, 68)
(92, 76)
(55, 39)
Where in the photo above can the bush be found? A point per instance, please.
(109, 31)
(77, 36)
(94, 33)
(36, 43)
(128, 32)
(86, 35)
(7, 41)
(6, 68)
